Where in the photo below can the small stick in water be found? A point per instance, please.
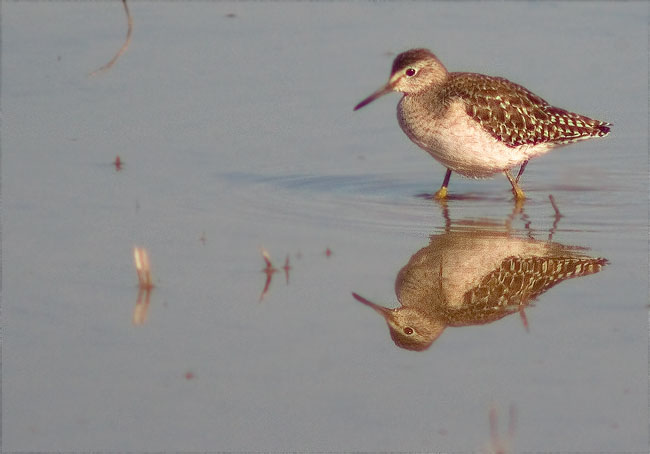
(142, 267)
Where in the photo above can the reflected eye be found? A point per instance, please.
(410, 72)
(408, 331)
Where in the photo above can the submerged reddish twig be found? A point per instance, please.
(269, 270)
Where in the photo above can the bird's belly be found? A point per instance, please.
(460, 143)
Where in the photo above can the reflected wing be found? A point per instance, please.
(516, 282)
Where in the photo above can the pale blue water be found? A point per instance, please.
(240, 130)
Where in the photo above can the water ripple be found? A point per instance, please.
(345, 201)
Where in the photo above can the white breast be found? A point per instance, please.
(458, 142)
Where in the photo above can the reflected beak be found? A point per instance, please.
(381, 92)
(384, 311)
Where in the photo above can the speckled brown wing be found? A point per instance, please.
(516, 116)
(516, 282)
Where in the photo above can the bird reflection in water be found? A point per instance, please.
(475, 276)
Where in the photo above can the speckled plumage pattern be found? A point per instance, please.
(478, 125)
(474, 277)
(517, 281)
(516, 116)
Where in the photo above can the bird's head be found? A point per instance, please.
(413, 72)
(409, 327)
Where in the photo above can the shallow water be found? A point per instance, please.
(237, 133)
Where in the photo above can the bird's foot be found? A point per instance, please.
(519, 194)
(516, 190)
(441, 194)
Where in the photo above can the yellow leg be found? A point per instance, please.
(516, 190)
(442, 192)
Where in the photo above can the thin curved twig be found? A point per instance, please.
(124, 46)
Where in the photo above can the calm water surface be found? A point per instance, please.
(235, 126)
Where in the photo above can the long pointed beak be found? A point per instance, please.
(381, 92)
(384, 311)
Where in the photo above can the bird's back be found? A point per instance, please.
(516, 116)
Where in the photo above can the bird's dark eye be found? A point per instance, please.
(410, 72)
(408, 331)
